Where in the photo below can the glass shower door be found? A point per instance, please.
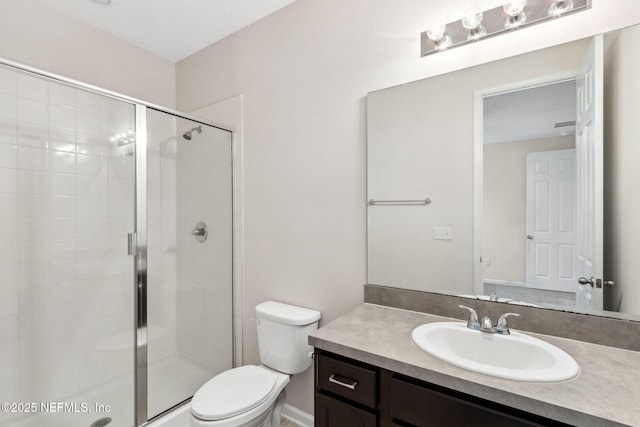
(189, 214)
(66, 299)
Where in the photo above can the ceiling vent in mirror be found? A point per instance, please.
(478, 25)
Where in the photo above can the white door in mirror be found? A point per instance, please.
(517, 357)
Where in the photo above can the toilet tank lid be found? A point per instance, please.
(286, 313)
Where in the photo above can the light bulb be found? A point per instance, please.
(514, 7)
(436, 32)
(472, 19)
(559, 7)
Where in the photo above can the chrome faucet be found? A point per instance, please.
(501, 326)
(486, 325)
(473, 318)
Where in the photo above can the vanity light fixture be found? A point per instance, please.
(512, 15)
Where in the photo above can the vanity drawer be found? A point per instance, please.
(414, 404)
(330, 412)
(347, 380)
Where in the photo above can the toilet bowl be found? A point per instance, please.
(250, 395)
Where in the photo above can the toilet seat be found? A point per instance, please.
(234, 392)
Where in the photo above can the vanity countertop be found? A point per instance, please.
(606, 393)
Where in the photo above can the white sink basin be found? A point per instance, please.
(516, 357)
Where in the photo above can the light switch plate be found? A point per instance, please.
(442, 233)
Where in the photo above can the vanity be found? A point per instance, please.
(369, 373)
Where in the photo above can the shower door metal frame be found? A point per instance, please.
(139, 247)
(141, 395)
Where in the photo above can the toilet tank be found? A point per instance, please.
(283, 331)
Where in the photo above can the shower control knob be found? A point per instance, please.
(200, 232)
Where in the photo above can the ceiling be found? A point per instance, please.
(530, 113)
(171, 29)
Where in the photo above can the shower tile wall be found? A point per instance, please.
(66, 199)
(162, 246)
(204, 269)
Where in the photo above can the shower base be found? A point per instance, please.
(171, 381)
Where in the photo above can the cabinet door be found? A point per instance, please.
(422, 406)
(334, 413)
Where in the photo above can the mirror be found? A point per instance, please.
(512, 180)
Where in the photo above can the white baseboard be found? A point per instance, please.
(297, 416)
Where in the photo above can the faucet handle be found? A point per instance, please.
(502, 327)
(473, 318)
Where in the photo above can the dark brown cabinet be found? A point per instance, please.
(349, 393)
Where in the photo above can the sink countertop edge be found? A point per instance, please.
(588, 400)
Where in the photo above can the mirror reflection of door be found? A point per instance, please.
(542, 190)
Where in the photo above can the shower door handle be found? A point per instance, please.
(131, 244)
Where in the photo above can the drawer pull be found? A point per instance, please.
(351, 385)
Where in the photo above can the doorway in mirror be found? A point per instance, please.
(541, 196)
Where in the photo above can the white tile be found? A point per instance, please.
(89, 165)
(91, 228)
(9, 380)
(9, 353)
(8, 205)
(8, 328)
(62, 228)
(32, 205)
(62, 206)
(33, 298)
(32, 276)
(8, 155)
(33, 135)
(91, 185)
(8, 131)
(61, 251)
(90, 123)
(8, 229)
(8, 82)
(8, 302)
(62, 185)
(62, 117)
(60, 94)
(9, 277)
(32, 182)
(62, 140)
(32, 252)
(32, 158)
(61, 273)
(64, 295)
(62, 162)
(35, 369)
(33, 88)
(33, 112)
(8, 180)
(32, 229)
(8, 107)
(94, 145)
(121, 167)
(90, 207)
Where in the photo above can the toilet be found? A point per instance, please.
(253, 396)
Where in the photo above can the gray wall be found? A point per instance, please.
(304, 73)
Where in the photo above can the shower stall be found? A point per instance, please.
(116, 257)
